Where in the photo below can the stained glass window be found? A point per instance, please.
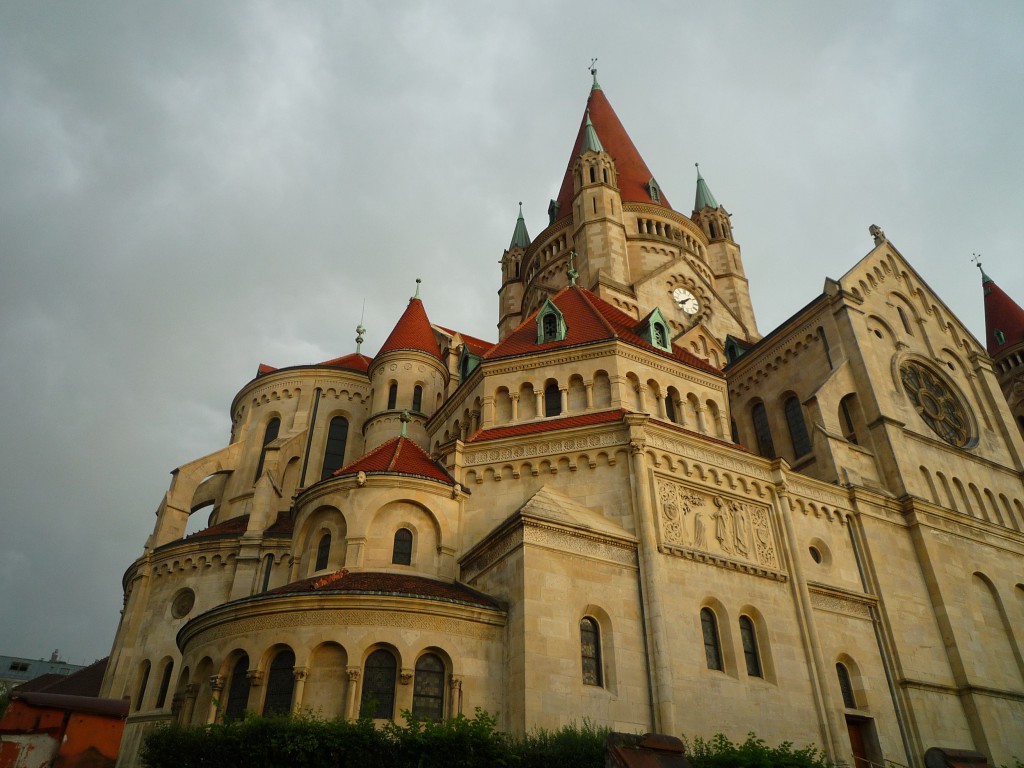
(749, 640)
(280, 684)
(590, 643)
(846, 686)
(401, 554)
(428, 689)
(334, 451)
(378, 700)
(238, 690)
(712, 648)
(797, 427)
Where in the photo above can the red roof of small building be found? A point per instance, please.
(400, 584)
(412, 331)
(1001, 314)
(588, 319)
(548, 425)
(631, 170)
(399, 456)
(353, 362)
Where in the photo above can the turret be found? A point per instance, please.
(408, 377)
(723, 256)
(510, 295)
(1004, 339)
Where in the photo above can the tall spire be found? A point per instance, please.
(520, 237)
(413, 330)
(704, 198)
(1004, 318)
(591, 143)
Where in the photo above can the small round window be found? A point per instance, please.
(183, 603)
(815, 554)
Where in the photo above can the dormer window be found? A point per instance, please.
(654, 191)
(654, 330)
(1000, 336)
(467, 364)
(553, 212)
(550, 323)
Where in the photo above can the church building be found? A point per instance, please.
(629, 507)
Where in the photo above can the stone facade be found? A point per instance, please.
(590, 519)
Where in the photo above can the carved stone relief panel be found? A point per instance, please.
(721, 526)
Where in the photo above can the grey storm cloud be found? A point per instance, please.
(191, 189)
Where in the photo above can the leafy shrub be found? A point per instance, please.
(720, 752)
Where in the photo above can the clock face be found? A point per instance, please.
(686, 301)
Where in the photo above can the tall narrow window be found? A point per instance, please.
(401, 552)
(846, 686)
(749, 640)
(323, 552)
(428, 689)
(552, 399)
(378, 699)
(762, 431)
(334, 451)
(280, 684)
(590, 651)
(712, 646)
(797, 427)
(824, 344)
(143, 681)
(268, 566)
(165, 684)
(670, 408)
(269, 436)
(392, 396)
(735, 431)
(846, 417)
(417, 398)
(238, 690)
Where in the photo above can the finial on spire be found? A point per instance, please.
(593, 71)
(405, 418)
(976, 258)
(573, 274)
(697, 166)
(418, 281)
(360, 330)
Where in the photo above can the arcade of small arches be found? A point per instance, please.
(981, 503)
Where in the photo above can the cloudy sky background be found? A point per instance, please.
(189, 189)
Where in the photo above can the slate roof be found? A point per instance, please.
(83, 682)
(1001, 313)
(398, 456)
(631, 170)
(412, 331)
(396, 584)
(589, 320)
(548, 425)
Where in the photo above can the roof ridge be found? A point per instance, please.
(396, 454)
(585, 294)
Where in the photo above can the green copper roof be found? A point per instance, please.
(590, 141)
(704, 197)
(593, 70)
(520, 238)
(984, 278)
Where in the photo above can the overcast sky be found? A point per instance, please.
(189, 189)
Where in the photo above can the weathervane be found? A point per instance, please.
(593, 71)
(573, 274)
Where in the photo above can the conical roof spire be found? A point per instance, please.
(590, 141)
(704, 198)
(632, 174)
(520, 237)
(413, 330)
(1004, 319)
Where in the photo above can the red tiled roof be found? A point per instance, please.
(236, 526)
(1003, 314)
(264, 369)
(83, 682)
(476, 346)
(633, 173)
(400, 456)
(283, 525)
(68, 703)
(589, 319)
(412, 331)
(354, 362)
(548, 425)
(373, 583)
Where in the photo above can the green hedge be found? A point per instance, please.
(460, 742)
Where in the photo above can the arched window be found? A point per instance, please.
(670, 408)
(762, 431)
(593, 175)
(552, 399)
(428, 688)
(392, 396)
(401, 553)
(797, 427)
(846, 418)
(165, 684)
(550, 327)
(143, 681)
(749, 640)
(323, 552)
(846, 686)
(268, 565)
(280, 684)
(269, 436)
(238, 690)
(378, 699)
(735, 431)
(712, 646)
(590, 651)
(334, 451)
(604, 175)
(711, 227)
(417, 398)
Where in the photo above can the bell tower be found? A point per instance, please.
(510, 295)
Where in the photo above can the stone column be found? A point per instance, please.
(300, 673)
(191, 691)
(539, 394)
(590, 393)
(352, 705)
(702, 422)
(255, 694)
(487, 413)
(661, 406)
(454, 696)
(515, 406)
(641, 396)
(216, 687)
(565, 399)
(403, 696)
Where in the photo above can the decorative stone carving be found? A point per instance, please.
(217, 682)
(405, 676)
(353, 674)
(255, 677)
(542, 448)
(300, 673)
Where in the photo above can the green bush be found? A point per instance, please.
(719, 752)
